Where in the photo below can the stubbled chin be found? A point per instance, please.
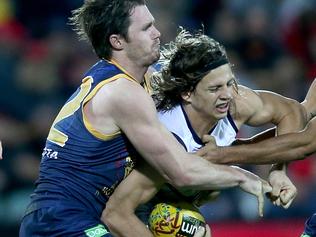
(156, 57)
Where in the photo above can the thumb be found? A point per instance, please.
(288, 204)
(287, 198)
(266, 187)
(276, 189)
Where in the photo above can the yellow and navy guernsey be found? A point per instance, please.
(78, 162)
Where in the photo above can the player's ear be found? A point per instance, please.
(116, 41)
(186, 96)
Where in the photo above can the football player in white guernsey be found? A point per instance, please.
(196, 94)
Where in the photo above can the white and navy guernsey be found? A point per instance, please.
(177, 122)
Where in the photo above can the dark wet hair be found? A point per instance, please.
(184, 62)
(96, 20)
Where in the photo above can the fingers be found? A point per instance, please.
(208, 231)
(200, 232)
(208, 138)
(266, 188)
(260, 204)
(287, 197)
(203, 231)
(210, 146)
(277, 202)
(287, 205)
(202, 151)
(274, 195)
(275, 192)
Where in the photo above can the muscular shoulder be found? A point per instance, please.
(117, 102)
(123, 97)
(258, 107)
(245, 104)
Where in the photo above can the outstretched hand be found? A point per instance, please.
(283, 190)
(255, 186)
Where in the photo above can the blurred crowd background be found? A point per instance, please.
(272, 44)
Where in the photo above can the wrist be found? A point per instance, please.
(279, 167)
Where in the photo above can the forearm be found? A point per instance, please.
(292, 119)
(139, 187)
(294, 122)
(204, 175)
(256, 138)
(283, 148)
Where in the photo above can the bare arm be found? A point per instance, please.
(309, 104)
(284, 148)
(256, 108)
(138, 188)
(289, 116)
(257, 137)
(142, 184)
(135, 114)
(259, 108)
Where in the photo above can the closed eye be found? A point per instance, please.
(231, 82)
(214, 89)
(147, 26)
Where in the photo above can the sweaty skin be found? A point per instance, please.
(142, 184)
(211, 101)
(284, 148)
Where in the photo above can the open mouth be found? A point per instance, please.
(222, 108)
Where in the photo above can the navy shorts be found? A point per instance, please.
(310, 227)
(52, 221)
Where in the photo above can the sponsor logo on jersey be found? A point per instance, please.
(96, 231)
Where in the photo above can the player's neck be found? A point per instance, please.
(131, 68)
(201, 124)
